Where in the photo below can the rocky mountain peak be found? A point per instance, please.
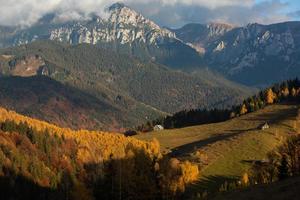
(218, 29)
(129, 25)
(122, 14)
(116, 6)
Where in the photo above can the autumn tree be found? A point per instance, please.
(243, 109)
(293, 92)
(270, 96)
(285, 92)
(175, 175)
(245, 179)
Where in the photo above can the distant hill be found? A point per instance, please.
(135, 89)
(46, 99)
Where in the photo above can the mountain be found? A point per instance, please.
(138, 91)
(199, 36)
(124, 30)
(247, 54)
(242, 54)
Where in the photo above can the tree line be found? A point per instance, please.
(282, 92)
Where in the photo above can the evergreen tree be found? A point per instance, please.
(283, 168)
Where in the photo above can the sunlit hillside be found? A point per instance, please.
(226, 150)
(39, 160)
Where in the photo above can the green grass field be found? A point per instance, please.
(225, 150)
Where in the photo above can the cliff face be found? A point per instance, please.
(247, 54)
(123, 25)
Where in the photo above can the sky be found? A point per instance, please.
(171, 13)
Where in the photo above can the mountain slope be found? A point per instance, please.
(122, 80)
(199, 36)
(225, 150)
(46, 99)
(41, 161)
(247, 54)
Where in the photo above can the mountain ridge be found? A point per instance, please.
(246, 54)
(242, 54)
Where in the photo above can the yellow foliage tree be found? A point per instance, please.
(293, 92)
(245, 179)
(176, 175)
(285, 92)
(138, 165)
(243, 110)
(270, 96)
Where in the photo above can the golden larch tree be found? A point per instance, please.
(293, 92)
(285, 92)
(270, 96)
(243, 110)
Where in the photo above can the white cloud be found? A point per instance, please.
(26, 12)
(165, 12)
(212, 4)
(238, 12)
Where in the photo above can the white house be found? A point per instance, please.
(265, 126)
(158, 128)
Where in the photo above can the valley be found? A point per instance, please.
(158, 100)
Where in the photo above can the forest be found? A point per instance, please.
(42, 161)
(287, 91)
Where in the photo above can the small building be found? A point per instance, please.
(158, 128)
(265, 126)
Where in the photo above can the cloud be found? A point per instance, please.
(171, 13)
(203, 3)
(234, 12)
(27, 12)
(295, 14)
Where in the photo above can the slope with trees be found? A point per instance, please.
(141, 90)
(287, 91)
(40, 160)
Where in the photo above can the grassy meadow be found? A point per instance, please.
(226, 150)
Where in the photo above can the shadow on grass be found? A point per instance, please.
(275, 116)
(209, 184)
(190, 147)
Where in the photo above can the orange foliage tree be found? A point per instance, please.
(270, 96)
(243, 109)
